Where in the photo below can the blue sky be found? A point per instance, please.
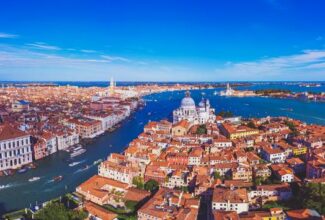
(162, 40)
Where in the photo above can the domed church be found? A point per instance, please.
(195, 115)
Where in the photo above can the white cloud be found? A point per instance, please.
(6, 35)
(43, 46)
(308, 61)
(115, 58)
(88, 51)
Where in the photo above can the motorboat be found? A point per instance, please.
(97, 161)
(57, 178)
(35, 178)
(73, 164)
(23, 170)
(4, 186)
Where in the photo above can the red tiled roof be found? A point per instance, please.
(9, 132)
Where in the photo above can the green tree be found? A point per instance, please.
(201, 129)
(313, 196)
(138, 182)
(131, 205)
(57, 211)
(225, 114)
(292, 127)
(258, 181)
(251, 125)
(151, 185)
(216, 175)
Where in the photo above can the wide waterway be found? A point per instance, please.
(19, 192)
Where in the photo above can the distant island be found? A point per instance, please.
(277, 93)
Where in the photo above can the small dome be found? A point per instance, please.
(202, 103)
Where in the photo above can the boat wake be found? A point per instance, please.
(6, 186)
(76, 163)
(87, 167)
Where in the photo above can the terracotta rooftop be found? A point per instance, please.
(9, 132)
(233, 196)
(99, 212)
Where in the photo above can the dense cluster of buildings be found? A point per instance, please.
(37, 121)
(227, 167)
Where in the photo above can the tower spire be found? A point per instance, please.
(112, 86)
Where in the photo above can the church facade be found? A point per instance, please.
(200, 114)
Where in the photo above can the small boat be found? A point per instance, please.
(215, 93)
(35, 178)
(97, 161)
(73, 164)
(23, 170)
(149, 113)
(4, 186)
(57, 178)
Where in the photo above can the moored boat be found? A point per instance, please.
(23, 170)
(77, 151)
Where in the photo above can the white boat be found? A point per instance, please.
(4, 186)
(73, 164)
(97, 161)
(77, 151)
(34, 179)
(77, 148)
(215, 93)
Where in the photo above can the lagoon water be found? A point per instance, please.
(17, 192)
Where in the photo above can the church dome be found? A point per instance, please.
(187, 102)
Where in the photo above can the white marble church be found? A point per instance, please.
(195, 115)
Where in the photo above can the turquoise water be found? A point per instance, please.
(21, 193)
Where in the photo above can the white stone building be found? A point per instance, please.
(230, 200)
(195, 115)
(15, 148)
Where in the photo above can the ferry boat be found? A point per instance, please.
(77, 151)
(57, 178)
(34, 179)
